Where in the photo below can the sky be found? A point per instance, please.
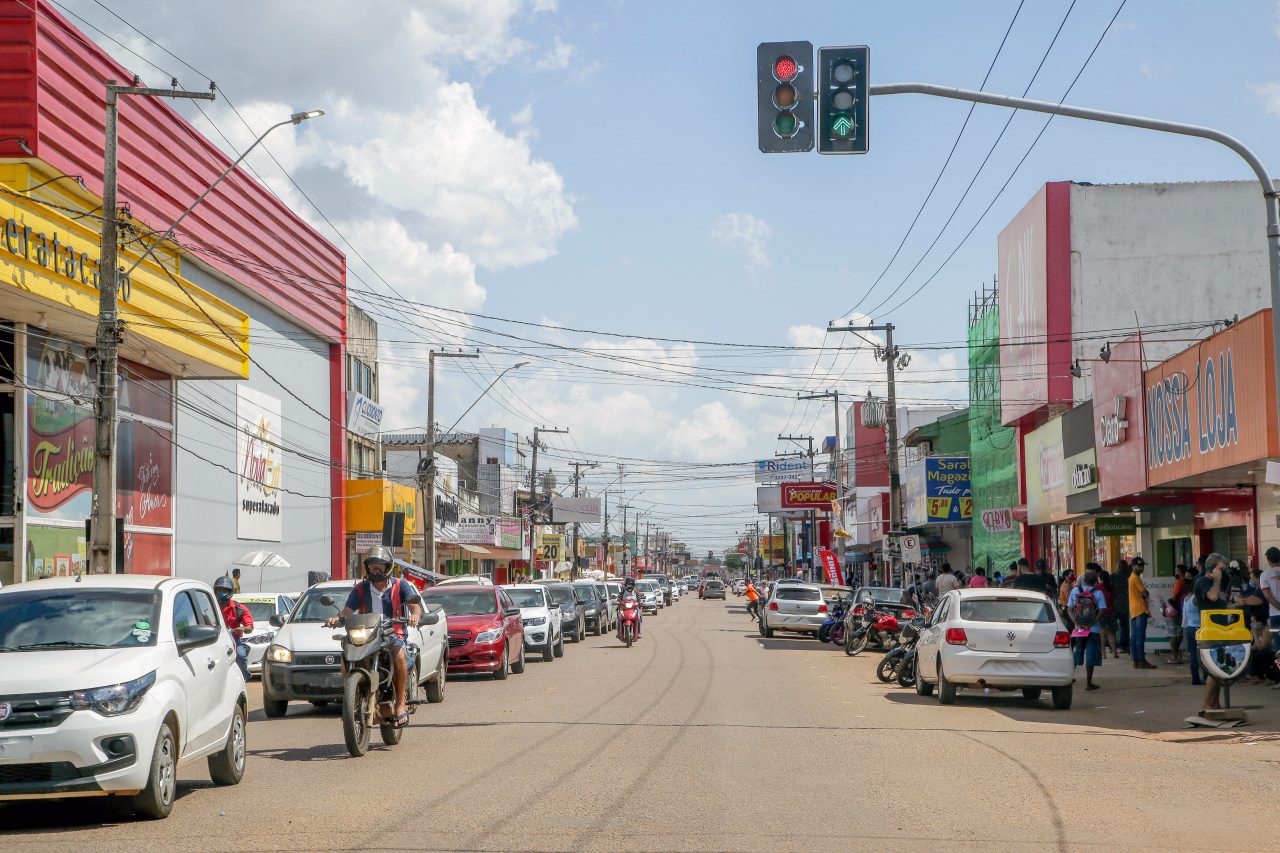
(591, 166)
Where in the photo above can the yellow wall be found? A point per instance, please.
(367, 500)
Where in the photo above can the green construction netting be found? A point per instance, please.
(993, 469)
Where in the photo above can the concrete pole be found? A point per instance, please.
(429, 507)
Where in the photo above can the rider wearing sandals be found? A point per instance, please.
(390, 597)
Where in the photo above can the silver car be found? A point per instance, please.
(797, 607)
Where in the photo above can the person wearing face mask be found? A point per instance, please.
(1139, 614)
(238, 618)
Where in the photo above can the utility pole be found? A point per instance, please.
(836, 473)
(110, 334)
(577, 475)
(893, 359)
(812, 522)
(533, 484)
(428, 472)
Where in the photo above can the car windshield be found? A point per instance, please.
(584, 594)
(614, 588)
(311, 609)
(884, 594)
(562, 595)
(463, 602)
(1005, 610)
(647, 586)
(525, 598)
(797, 593)
(261, 611)
(84, 618)
(714, 585)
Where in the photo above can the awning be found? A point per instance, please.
(471, 549)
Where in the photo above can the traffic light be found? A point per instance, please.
(842, 99)
(784, 84)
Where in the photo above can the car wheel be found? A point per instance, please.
(500, 674)
(582, 630)
(923, 688)
(274, 708)
(435, 687)
(559, 649)
(1062, 697)
(156, 800)
(765, 630)
(226, 766)
(1031, 694)
(549, 650)
(946, 690)
(518, 666)
(600, 627)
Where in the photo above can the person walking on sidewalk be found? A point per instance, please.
(979, 579)
(1191, 624)
(1139, 614)
(1173, 612)
(1086, 603)
(946, 581)
(1109, 622)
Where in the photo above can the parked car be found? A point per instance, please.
(486, 629)
(304, 661)
(615, 590)
(797, 607)
(713, 589)
(610, 604)
(262, 606)
(573, 619)
(674, 592)
(663, 581)
(111, 683)
(884, 598)
(1003, 639)
(595, 606)
(466, 580)
(542, 631)
(649, 594)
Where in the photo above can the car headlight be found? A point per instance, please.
(260, 639)
(536, 620)
(115, 699)
(279, 654)
(489, 636)
(360, 635)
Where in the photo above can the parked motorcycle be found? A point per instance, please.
(628, 620)
(826, 633)
(866, 625)
(906, 671)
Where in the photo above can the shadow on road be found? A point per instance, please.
(320, 752)
(33, 816)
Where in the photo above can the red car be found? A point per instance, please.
(486, 633)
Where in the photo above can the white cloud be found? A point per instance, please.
(557, 58)
(1269, 93)
(748, 232)
(710, 433)
(1145, 70)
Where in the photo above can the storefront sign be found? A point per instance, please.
(807, 495)
(1114, 426)
(937, 491)
(1045, 477)
(477, 530)
(1081, 476)
(364, 417)
(769, 502)
(510, 534)
(569, 509)
(997, 520)
(259, 475)
(1120, 430)
(551, 547)
(1115, 525)
(366, 539)
(783, 471)
(1212, 405)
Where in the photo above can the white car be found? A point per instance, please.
(797, 607)
(650, 595)
(467, 580)
(304, 661)
(676, 592)
(110, 683)
(1004, 639)
(542, 631)
(262, 606)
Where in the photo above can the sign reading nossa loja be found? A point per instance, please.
(575, 509)
(808, 495)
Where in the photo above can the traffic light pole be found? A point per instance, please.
(1270, 187)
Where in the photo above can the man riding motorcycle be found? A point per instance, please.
(390, 597)
(238, 618)
(629, 591)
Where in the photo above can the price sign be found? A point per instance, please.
(966, 507)
(939, 507)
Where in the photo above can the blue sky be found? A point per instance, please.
(593, 164)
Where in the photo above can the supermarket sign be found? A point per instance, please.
(808, 495)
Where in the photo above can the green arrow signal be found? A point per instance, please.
(842, 124)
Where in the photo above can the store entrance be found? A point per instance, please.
(1231, 542)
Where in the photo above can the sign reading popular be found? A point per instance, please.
(808, 495)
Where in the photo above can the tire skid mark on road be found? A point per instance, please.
(519, 808)
(482, 777)
(1059, 829)
(606, 812)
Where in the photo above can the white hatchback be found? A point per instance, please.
(110, 683)
(542, 632)
(1004, 639)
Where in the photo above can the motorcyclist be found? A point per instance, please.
(238, 619)
(629, 591)
(753, 601)
(380, 593)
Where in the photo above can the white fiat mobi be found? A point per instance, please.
(111, 683)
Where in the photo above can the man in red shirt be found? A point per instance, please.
(238, 618)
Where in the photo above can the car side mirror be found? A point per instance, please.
(511, 611)
(276, 620)
(197, 636)
(430, 618)
(326, 600)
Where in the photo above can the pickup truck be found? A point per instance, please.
(303, 662)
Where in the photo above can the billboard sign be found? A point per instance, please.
(567, 509)
(477, 530)
(364, 417)
(783, 471)
(259, 472)
(769, 502)
(1045, 472)
(807, 495)
(938, 491)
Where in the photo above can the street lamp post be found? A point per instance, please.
(427, 471)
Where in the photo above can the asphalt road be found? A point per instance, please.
(703, 736)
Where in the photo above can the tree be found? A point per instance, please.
(734, 561)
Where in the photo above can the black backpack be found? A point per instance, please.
(1085, 611)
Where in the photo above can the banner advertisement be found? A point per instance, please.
(830, 567)
(783, 471)
(998, 520)
(258, 480)
(937, 491)
(551, 547)
(364, 417)
(477, 530)
(808, 495)
(510, 534)
(569, 509)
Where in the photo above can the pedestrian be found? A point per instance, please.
(1139, 615)
(1262, 662)
(1191, 624)
(1109, 622)
(998, 580)
(235, 579)
(1047, 578)
(929, 592)
(753, 601)
(1173, 612)
(946, 580)
(1062, 595)
(1086, 603)
(1121, 580)
(1212, 591)
(979, 579)
(1270, 586)
(1026, 578)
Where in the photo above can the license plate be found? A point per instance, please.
(16, 748)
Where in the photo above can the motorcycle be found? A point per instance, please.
(906, 671)
(865, 625)
(832, 631)
(628, 621)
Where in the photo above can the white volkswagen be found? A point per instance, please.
(110, 683)
(1003, 639)
(542, 632)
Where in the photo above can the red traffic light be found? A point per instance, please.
(785, 68)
